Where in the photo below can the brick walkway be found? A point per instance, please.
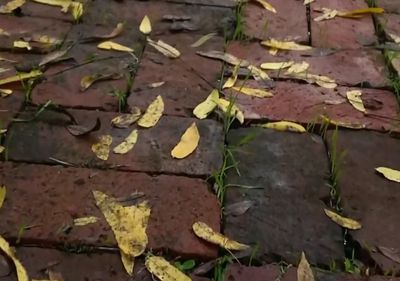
(288, 178)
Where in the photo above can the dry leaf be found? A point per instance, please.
(76, 9)
(205, 232)
(206, 107)
(79, 130)
(391, 253)
(125, 120)
(276, 65)
(273, 51)
(5, 92)
(306, 2)
(89, 80)
(266, 5)
(304, 271)
(116, 31)
(188, 143)
(232, 80)
(164, 48)
(360, 12)
(285, 45)
(20, 77)
(343, 221)
(257, 73)
(85, 220)
(395, 38)
(145, 25)
(127, 145)
(2, 148)
(354, 97)
(109, 45)
(285, 126)
(226, 106)
(390, 174)
(102, 148)
(22, 45)
(259, 93)
(53, 57)
(3, 193)
(238, 209)
(226, 57)
(11, 6)
(327, 14)
(322, 81)
(164, 271)
(298, 67)
(21, 272)
(3, 33)
(153, 113)
(203, 40)
(156, 84)
(64, 4)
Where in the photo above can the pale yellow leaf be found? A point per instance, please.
(164, 48)
(327, 14)
(226, 57)
(390, 174)
(298, 67)
(273, 51)
(153, 113)
(102, 148)
(3, 33)
(343, 221)
(5, 92)
(327, 120)
(203, 40)
(163, 270)
(125, 120)
(2, 148)
(3, 192)
(20, 77)
(266, 5)
(89, 80)
(76, 9)
(231, 109)
(128, 262)
(11, 6)
(285, 126)
(354, 97)
(232, 80)
(21, 272)
(360, 12)
(188, 142)
(257, 73)
(259, 93)
(276, 65)
(64, 4)
(395, 38)
(304, 271)
(127, 145)
(109, 45)
(285, 45)
(156, 84)
(22, 45)
(320, 80)
(145, 25)
(85, 220)
(206, 107)
(205, 232)
(306, 2)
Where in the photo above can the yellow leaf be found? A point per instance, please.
(259, 93)
(2, 148)
(153, 113)
(232, 80)
(22, 45)
(164, 48)
(85, 220)
(276, 65)
(64, 4)
(395, 38)
(76, 10)
(285, 126)
(145, 25)
(273, 51)
(109, 45)
(203, 40)
(298, 67)
(5, 92)
(102, 148)
(341, 124)
(285, 45)
(128, 262)
(128, 224)
(359, 12)
(306, 2)
(156, 84)
(226, 57)
(205, 232)
(89, 80)
(343, 221)
(11, 6)
(206, 107)
(226, 106)
(188, 143)
(322, 81)
(164, 271)
(257, 73)
(327, 14)
(125, 120)
(21, 272)
(20, 77)
(3, 193)
(390, 174)
(354, 97)
(266, 5)
(3, 33)
(129, 142)
(304, 271)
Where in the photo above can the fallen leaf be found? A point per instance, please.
(109, 45)
(205, 232)
(354, 97)
(3, 33)
(156, 84)
(257, 73)
(273, 51)
(285, 45)
(163, 270)
(114, 33)
(391, 253)
(3, 193)
(355, 14)
(231, 109)
(43, 39)
(21, 272)
(341, 124)
(276, 65)
(5, 92)
(153, 113)
(239, 208)
(395, 38)
(76, 9)
(359, 12)
(306, 2)
(128, 143)
(53, 57)
(3, 131)
(164, 48)
(202, 40)
(125, 120)
(85, 220)
(232, 80)
(22, 45)
(335, 102)
(20, 77)
(64, 4)
(322, 81)
(259, 93)
(11, 6)
(327, 14)
(298, 67)
(2, 148)
(79, 130)
(145, 25)
(343, 221)
(304, 271)
(128, 224)
(226, 57)
(285, 126)
(266, 5)
(202, 110)
(390, 174)
(188, 142)
(89, 80)
(102, 148)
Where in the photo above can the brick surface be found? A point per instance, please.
(61, 194)
(366, 195)
(305, 103)
(347, 67)
(188, 80)
(222, 3)
(342, 33)
(288, 214)
(289, 23)
(9, 108)
(390, 6)
(48, 137)
(390, 24)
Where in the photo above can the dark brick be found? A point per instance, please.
(222, 3)
(390, 24)
(9, 108)
(290, 176)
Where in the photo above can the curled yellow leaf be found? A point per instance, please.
(11, 6)
(257, 73)
(343, 221)
(76, 9)
(232, 80)
(20, 77)
(231, 109)
(5, 92)
(354, 97)
(259, 93)
(203, 39)
(164, 48)
(188, 142)
(102, 148)
(205, 232)
(266, 5)
(390, 174)
(125, 120)
(298, 67)
(285, 126)
(2, 148)
(127, 145)
(145, 25)
(85, 220)
(3, 192)
(304, 271)
(21, 271)
(22, 45)
(64, 4)
(276, 65)
(109, 45)
(202, 110)
(164, 271)
(153, 113)
(285, 45)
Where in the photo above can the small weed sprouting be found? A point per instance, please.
(336, 159)
(219, 269)
(121, 97)
(185, 266)
(351, 266)
(239, 27)
(28, 88)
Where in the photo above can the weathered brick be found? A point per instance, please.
(390, 24)
(222, 3)
(9, 108)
